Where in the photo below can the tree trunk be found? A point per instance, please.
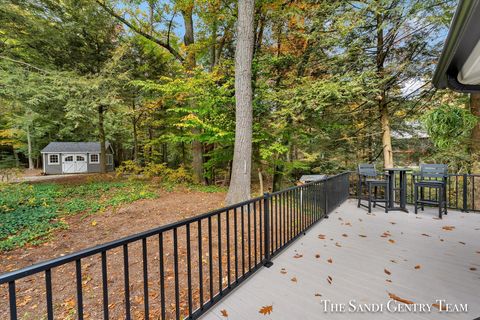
(135, 134)
(386, 137)
(383, 107)
(190, 63)
(101, 136)
(29, 143)
(239, 189)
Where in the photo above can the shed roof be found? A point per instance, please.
(73, 147)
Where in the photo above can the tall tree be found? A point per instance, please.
(239, 189)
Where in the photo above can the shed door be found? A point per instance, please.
(81, 163)
(68, 163)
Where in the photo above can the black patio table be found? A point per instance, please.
(401, 173)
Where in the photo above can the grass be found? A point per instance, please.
(30, 212)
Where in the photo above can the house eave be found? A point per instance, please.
(462, 38)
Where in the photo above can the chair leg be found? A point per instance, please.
(415, 198)
(440, 203)
(359, 191)
(445, 198)
(386, 198)
(369, 198)
(422, 197)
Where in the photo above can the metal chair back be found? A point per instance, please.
(436, 171)
(367, 170)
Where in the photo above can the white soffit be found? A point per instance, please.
(470, 73)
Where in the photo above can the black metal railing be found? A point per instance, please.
(463, 190)
(176, 271)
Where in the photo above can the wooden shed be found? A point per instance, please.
(75, 157)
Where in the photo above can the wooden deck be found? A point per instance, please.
(362, 253)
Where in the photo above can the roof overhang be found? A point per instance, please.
(459, 65)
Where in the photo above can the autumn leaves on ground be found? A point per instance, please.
(105, 214)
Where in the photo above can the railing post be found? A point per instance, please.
(266, 218)
(325, 199)
(465, 198)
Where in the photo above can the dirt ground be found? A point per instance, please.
(93, 230)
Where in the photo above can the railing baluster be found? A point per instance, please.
(227, 218)
(261, 229)
(242, 230)
(126, 281)
(162, 276)
(266, 219)
(105, 285)
(235, 240)
(276, 223)
(189, 272)
(200, 262)
(249, 238)
(210, 257)
(48, 286)
(12, 296)
(78, 273)
(175, 259)
(219, 234)
(145, 278)
(255, 232)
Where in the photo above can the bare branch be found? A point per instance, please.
(161, 43)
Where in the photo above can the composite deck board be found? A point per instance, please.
(359, 263)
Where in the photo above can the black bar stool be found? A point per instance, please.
(367, 174)
(437, 179)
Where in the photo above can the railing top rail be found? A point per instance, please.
(309, 183)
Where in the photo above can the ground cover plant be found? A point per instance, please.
(30, 212)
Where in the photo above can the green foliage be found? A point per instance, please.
(30, 212)
(155, 170)
(449, 126)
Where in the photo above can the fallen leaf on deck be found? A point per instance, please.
(462, 242)
(224, 313)
(387, 272)
(317, 256)
(318, 295)
(348, 224)
(473, 269)
(436, 305)
(393, 222)
(426, 235)
(393, 261)
(338, 244)
(397, 298)
(297, 256)
(330, 260)
(321, 236)
(448, 228)
(293, 279)
(329, 280)
(417, 266)
(478, 252)
(388, 280)
(266, 310)
(362, 235)
(391, 240)
(283, 271)
(345, 235)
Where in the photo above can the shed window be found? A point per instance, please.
(53, 159)
(109, 159)
(94, 158)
